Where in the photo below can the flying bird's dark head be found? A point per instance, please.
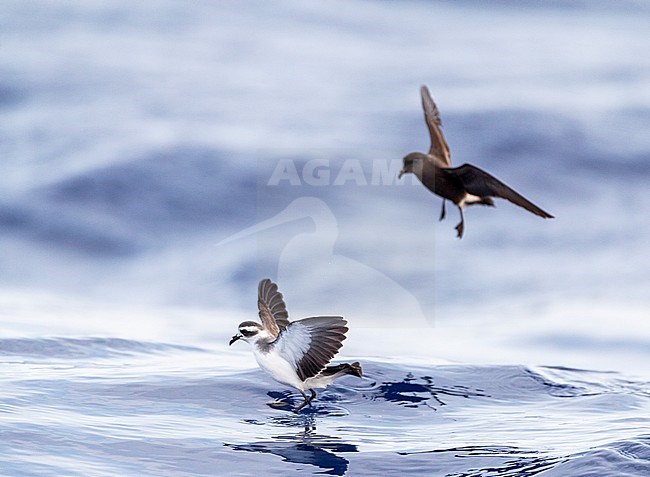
(412, 163)
(248, 330)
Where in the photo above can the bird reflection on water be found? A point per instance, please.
(305, 447)
(327, 452)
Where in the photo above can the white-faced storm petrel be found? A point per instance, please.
(464, 185)
(295, 353)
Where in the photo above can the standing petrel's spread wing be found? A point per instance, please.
(272, 310)
(480, 183)
(310, 344)
(439, 147)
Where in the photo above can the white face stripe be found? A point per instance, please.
(249, 331)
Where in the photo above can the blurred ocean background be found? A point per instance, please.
(138, 211)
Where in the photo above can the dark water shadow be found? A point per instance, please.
(420, 391)
(306, 447)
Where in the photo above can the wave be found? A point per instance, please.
(123, 208)
(624, 458)
(400, 419)
(81, 348)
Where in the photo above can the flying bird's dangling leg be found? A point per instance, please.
(442, 212)
(461, 225)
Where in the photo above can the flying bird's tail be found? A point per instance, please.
(479, 183)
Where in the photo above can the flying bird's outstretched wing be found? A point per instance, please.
(311, 343)
(478, 182)
(272, 309)
(439, 147)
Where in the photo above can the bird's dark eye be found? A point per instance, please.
(248, 333)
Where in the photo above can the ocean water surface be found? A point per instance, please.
(118, 407)
(140, 205)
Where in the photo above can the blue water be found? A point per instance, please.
(138, 143)
(118, 407)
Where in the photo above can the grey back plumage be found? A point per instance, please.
(311, 343)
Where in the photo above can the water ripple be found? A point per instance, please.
(189, 419)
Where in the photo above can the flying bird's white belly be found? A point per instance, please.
(278, 367)
(469, 199)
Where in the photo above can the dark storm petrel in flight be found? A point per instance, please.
(464, 185)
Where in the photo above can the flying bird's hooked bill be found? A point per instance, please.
(464, 185)
(295, 353)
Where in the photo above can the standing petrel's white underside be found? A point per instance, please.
(295, 353)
